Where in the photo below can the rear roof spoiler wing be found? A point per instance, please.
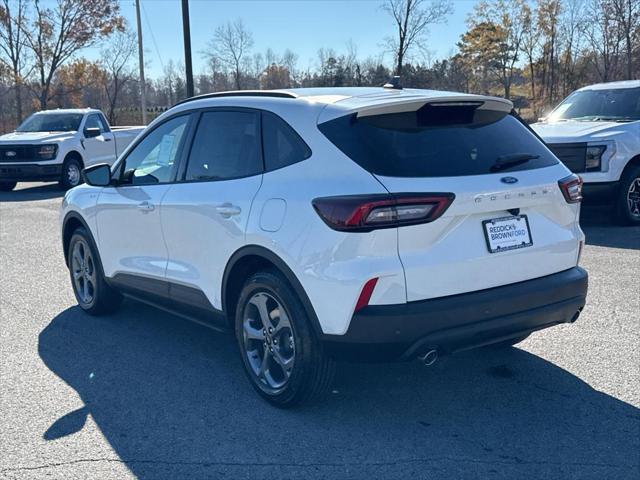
(410, 104)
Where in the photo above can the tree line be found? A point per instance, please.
(534, 52)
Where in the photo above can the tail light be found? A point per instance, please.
(571, 188)
(364, 213)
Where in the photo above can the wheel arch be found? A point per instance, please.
(253, 258)
(634, 162)
(74, 154)
(72, 221)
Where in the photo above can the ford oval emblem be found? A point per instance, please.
(509, 180)
(10, 153)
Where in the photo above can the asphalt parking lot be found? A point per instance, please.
(147, 395)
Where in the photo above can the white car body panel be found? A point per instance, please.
(185, 239)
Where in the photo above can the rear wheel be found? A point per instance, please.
(628, 199)
(281, 354)
(7, 186)
(71, 173)
(92, 292)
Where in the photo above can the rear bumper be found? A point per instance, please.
(461, 322)
(29, 172)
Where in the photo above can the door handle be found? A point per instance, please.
(107, 139)
(227, 210)
(146, 207)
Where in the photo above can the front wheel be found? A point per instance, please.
(7, 186)
(281, 353)
(92, 292)
(628, 200)
(71, 173)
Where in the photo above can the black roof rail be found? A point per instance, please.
(240, 93)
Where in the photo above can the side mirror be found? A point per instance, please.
(97, 175)
(92, 132)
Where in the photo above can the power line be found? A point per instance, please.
(153, 37)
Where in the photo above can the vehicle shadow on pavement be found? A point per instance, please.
(41, 192)
(173, 401)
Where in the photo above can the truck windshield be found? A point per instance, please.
(51, 122)
(613, 105)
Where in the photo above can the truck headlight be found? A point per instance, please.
(594, 157)
(598, 156)
(47, 152)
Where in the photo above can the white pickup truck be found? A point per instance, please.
(57, 144)
(595, 132)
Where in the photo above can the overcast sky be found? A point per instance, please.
(303, 26)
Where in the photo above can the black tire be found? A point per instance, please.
(508, 343)
(71, 173)
(312, 371)
(101, 298)
(627, 201)
(7, 186)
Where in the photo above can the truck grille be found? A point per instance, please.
(573, 155)
(17, 153)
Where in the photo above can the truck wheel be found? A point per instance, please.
(281, 353)
(71, 173)
(7, 186)
(628, 199)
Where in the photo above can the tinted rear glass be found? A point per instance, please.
(412, 144)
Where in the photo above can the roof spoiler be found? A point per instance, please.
(413, 104)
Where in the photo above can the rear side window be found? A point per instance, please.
(226, 145)
(282, 145)
(447, 144)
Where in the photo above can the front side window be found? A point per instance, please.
(95, 121)
(282, 145)
(154, 159)
(226, 145)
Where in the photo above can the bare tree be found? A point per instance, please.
(230, 45)
(412, 19)
(604, 37)
(12, 51)
(627, 14)
(59, 33)
(118, 72)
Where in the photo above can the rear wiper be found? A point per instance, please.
(506, 161)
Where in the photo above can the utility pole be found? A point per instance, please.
(143, 85)
(186, 30)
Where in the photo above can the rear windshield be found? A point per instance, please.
(447, 144)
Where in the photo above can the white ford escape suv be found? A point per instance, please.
(323, 224)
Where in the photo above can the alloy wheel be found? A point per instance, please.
(633, 198)
(83, 271)
(73, 174)
(268, 340)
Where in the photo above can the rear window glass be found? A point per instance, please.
(412, 144)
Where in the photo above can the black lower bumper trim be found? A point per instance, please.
(29, 172)
(460, 322)
(599, 193)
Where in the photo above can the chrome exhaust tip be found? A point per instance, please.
(429, 358)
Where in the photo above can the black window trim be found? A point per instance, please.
(187, 144)
(184, 165)
(180, 158)
(293, 130)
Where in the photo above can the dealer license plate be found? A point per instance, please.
(507, 233)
